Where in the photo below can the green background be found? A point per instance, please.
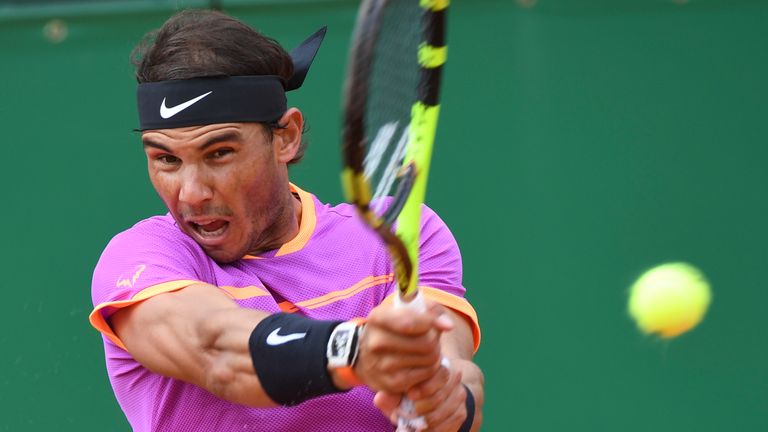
(580, 143)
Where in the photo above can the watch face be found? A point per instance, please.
(340, 342)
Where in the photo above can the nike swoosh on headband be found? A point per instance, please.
(166, 112)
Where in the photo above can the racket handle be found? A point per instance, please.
(416, 303)
(407, 420)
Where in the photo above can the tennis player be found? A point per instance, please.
(251, 305)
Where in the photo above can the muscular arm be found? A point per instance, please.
(198, 335)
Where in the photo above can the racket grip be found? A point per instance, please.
(407, 420)
(416, 303)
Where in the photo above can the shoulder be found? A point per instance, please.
(430, 218)
(155, 247)
(337, 217)
(341, 211)
(345, 213)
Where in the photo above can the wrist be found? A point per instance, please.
(288, 352)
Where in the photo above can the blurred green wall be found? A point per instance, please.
(580, 143)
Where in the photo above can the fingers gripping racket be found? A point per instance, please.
(391, 104)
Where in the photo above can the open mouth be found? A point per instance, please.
(209, 229)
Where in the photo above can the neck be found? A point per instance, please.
(285, 224)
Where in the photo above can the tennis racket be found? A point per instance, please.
(391, 105)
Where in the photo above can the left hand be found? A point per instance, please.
(440, 399)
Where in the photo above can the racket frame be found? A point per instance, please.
(404, 212)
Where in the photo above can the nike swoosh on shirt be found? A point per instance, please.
(275, 339)
(166, 112)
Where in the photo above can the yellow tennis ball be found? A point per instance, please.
(670, 299)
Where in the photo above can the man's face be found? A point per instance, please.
(223, 183)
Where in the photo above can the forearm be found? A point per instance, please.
(473, 378)
(197, 335)
(229, 372)
(457, 346)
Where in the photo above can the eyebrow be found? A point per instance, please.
(229, 136)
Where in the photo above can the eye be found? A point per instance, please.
(168, 159)
(220, 153)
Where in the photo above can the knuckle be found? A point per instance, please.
(412, 376)
(423, 406)
(409, 325)
(398, 381)
(430, 387)
(374, 343)
(389, 367)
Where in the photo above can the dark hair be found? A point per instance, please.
(206, 43)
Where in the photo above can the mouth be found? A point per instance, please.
(209, 230)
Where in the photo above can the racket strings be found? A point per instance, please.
(392, 91)
(386, 147)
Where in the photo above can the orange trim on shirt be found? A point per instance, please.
(242, 293)
(287, 307)
(306, 225)
(457, 304)
(332, 297)
(100, 323)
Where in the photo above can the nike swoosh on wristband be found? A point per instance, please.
(166, 112)
(275, 339)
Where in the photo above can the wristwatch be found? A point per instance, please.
(343, 349)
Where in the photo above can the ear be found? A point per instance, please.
(287, 138)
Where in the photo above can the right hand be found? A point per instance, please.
(400, 347)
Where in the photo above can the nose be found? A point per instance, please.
(196, 187)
